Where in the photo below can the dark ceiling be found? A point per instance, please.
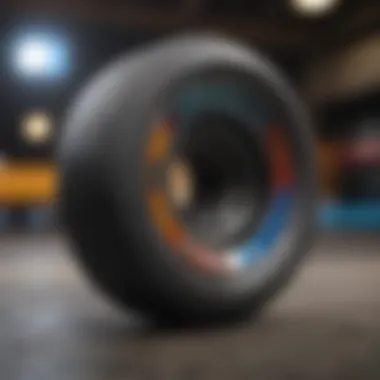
(98, 30)
(269, 22)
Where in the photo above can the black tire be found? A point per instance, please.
(102, 198)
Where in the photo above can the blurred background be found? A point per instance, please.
(325, 327)
(330, 50)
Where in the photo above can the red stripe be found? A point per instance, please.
(280, 156)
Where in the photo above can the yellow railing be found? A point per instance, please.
(27, 183)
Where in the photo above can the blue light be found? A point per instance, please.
(359, 215)
(40, 56)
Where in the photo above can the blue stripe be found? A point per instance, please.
(276, 220)
(234, 100)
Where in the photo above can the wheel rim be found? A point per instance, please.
(199, 115)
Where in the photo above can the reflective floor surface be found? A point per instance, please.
(54, 326)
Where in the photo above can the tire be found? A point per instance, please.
(105, 179)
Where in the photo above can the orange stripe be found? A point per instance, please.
(159, 143)
(176, 236)
(160, 209)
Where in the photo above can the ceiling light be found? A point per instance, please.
(314, 7)
(36, 128)
(40, 55)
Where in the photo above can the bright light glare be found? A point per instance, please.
(40, 56)
(314, 7)
(36, 127)
(34, 57)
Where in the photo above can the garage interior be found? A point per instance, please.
(325, 325)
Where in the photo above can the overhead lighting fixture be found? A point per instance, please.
(314, 8)
(40, 56)
(37, 128)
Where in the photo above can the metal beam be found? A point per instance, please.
(367, 17)
(156, 21)
(358, 26)
(192, 8)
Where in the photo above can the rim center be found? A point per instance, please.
(180, 184)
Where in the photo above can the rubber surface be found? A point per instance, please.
(102, 202)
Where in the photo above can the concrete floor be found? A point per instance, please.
(54, 326)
